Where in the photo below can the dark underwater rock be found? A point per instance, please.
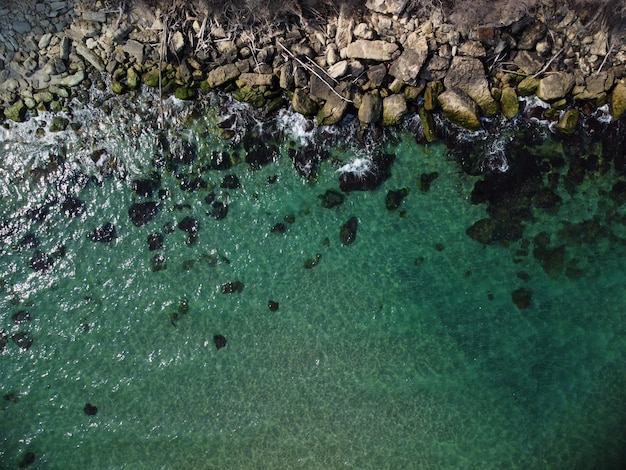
(141, 213)
(261, 155)
(28, 241)
(183, 152)
(219, 341)
(369, 176)
(145, 187)
(425, 180)
(394, 198)
(234, 287)
(230, 181)
(483, 231)
(220, 210)
(331, 198)
(306, 159)
(347, 233)
(40, 261)
(272, 305)
(28, 459)
(220, 161)
(192, 183)
(545, 198)
(22, 339)
(158, 262)
(72, 206)
(189, 225)
(278, 228)
(90, 410)
(4, 339)
(103, 234)
(21, 316)
(521, 297)
(310, 263)
(155, 241)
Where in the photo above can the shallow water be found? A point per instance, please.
(401, 350)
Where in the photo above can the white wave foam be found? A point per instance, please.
(296, 126)
(359, 166)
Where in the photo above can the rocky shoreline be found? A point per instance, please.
(379, 63)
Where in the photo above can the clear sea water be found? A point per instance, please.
(403, 350)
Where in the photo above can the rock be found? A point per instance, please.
(256, 79)
(310, 263)
(371, 108)
(230, 181)
(40, 261)
(425, 180)
(378, 50)
(22, 27)
(302, 103)
(468, 75)
(347, 234)
(22, 339)
(394, 198)
(431, 95)
(345, 27)
(332, 112)
(529, 62)
(151, 78)
(386, 7)
(145, 187)
(21, 316)
(16, 112)
(532, 34)
(222, 75)
(617, 100)
(339, 69)
(90, 410)
(103, 234)
(28, 459)
(4, 339)
(272, 305)
(568, 121)
(155, 241)
(460, 109)
(90, 57)
(555, 86)
(134, 49)
(220, 210)
(483, 231)
(521, 297)
(177, 42)
(73, 80)
(394, 110)
(527, 86)
(184, 93)
(509, 103)
(141, 213)
(234, 287)
(365, 174)
(219, 341)
(189, 225)
(428, 124)
(331, 198)
(545, 198)
(158, 262)
(407, 67)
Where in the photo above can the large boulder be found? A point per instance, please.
(407, 67)
(617, 100)
(302, 103)
(555, 86)
(223, 74)
(509, 102)
(371, 108)
(387, 7)
(460, 109)
(394, 110)
(568, 121)
(468, 75)
(332, 112)
(378, 50)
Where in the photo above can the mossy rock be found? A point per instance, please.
(427, 124)
(117, 87)
(460, 109)
(251, 95)
(617, 100)
(509, 103)
(151, 78)
(527, 86)
(16, 112)
(132, 79)
(56, 106)
(568, 122)
(302, 103)
(30, 103)
(431, 93)
(185, 93)
(58, 123)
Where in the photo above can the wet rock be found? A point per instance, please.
(408, 65)
(220, 210)
(90, 410)
(366, 176)
(158, 263)
(219, 341)
(521, 297)
(28, 241)
(230, 182)
(72, 206)
(27, 459)
(425, 180)
(234, 287)
(221, 161)
(145, 187)
(278, 228)
(58, 124)
(192, 183)
(545, 198)
(40, 261)
(460, 109)
(467, 74)
(483, 231)
(394, 110)
(331, 198)
(4, 339)
(103, 234)
(371, 108)
(272, 305)
(21, 316)
(555, 86)
(141, 213)
(306, 159)
(310, 263)
(394, 198)
(155, 241)
(509, 102)
(261, 155)
(347, 234)
(183, 152)
(568, 121)
(22, 339)
(189, 225)
(302, 103)
(617, 100)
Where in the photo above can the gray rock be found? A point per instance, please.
(134, 49)
(302, 103)
(339, 69)
(65, 48)
(223, 74)
(555, 86)
(90, 57)
(332, 112)
(388, 7)
(345, 27)
(472, 49)
(56, 6)
(363, 31)
(97, 16)
(371, 108)
(177, 42)
(468, 75)
(394, 109)
(371, 50)
(460, 109)
(256, 79)
(73, 80)
(44, 41)
(529, 61)
(21, 27)
(407, 67)
(285, 79)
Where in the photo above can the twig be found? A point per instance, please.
(608, 53)
(313, 72)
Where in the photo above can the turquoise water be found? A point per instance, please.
(401, 350)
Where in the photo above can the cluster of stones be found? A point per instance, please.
(379, 64)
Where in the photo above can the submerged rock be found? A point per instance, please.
(21, 316)
(4, 339)
(155, 241)
(365, 174)
(220, 210)
(347, 234)
(141, 213)
(521, 297)
(72, 206)
(22, 339)
(189, 225)
(230, 182)
(395, 197)
(145, 187)
(272, 305)
(425, 180)
(90, 410)
(219, 341)
(40, 261)
(158, 263)
(28, 459)
(483, 231)
(331, 198)
(232, 287)
(312, 262)
(103, 234)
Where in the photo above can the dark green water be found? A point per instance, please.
(403, 349)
